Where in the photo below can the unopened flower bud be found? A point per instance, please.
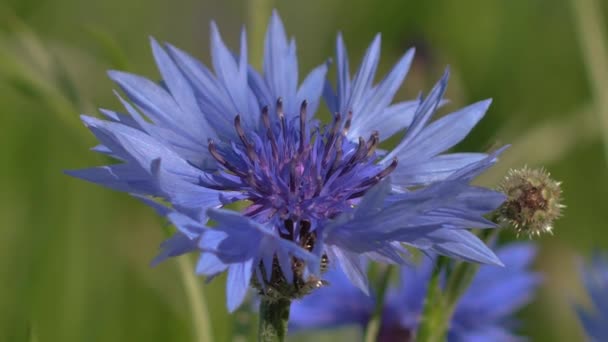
(533, 201)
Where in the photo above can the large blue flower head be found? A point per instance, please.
(313, 194)
(595, 279)
(483, 313)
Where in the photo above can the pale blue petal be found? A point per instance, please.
(233, 77)
(362, 82)
(343, 84)
(444, 133)
(311, 89)
(463, 245)
(368, 111)
(353, 267)
(214, 101)
(210, 265)
(182, 93)
(438, 168)
(424, 112)
(176, 245)
(237, 283)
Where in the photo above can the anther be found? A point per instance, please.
(251, 179)
(382, 174)
(302, 125)
(214, 153)
(241, 133)
(265, 117)
(357, 155)
(292, 176)
(392, 166)
(218, 157)
(348, 122)
(372, 144)
(281, 116)
(331, 138)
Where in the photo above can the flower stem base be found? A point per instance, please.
(274, 316)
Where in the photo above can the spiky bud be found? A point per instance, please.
(533, 201)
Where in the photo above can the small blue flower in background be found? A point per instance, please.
(595, 279)
(483, 313)
(313, 194)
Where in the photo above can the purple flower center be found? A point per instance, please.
(298, 173)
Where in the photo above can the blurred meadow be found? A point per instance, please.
(74, 257)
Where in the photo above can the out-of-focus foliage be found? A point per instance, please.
(74, 257)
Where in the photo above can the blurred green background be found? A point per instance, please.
(74, 257)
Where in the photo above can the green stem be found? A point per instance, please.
(589, 24)
(434, 323)
(440, 305)
(196, 300)
(463, 274)
(373, 327)
(274, 316)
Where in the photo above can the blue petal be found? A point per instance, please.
(352, 266)
(194, 151)
(237, 283)
(122, 177)
(215, 102)
(464, 245)
(369, 112)
(362, 81)
(337, 304)
(280, 65)
(311, 89)
(444, 133)
(473, 170)
(483, 334)
(423, 114)
(233, 76)
(176, 245)
(159, 106)
(182, 94)
(245, 239)
(433, 169)
(343, 84)
(393, 119)
(210, 265)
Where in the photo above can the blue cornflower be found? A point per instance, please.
(313, 194)
(595, 279)
(483, 313)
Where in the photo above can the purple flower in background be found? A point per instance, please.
(483, 313)
(312, 194)
(595, 279)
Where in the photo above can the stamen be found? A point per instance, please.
(331, 139)
(355, 157)
(265, 117)
(251, 179)
(337, 158)
(382, 174)
(270, 133)
(292, 176)
(319, 186)
(218, 157)
(349, 118)
(273, 145)
(214, 153)
(281, 116)
(302, 125)
(372, 143)
(241, 133)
